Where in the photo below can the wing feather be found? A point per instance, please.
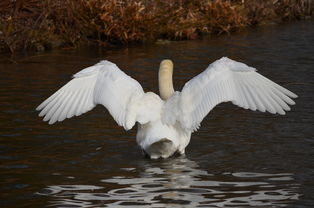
(73, 104)
(54, 107)
(103, 83)
(249, 98)
(225, 80)
(45, 108)
(67, 107)
(59, 110)
(48, 100)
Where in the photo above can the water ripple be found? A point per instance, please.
(180, 183)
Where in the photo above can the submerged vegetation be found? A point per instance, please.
(45, 24)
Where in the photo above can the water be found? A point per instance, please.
(238, 158)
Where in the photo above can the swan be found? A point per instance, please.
(165, 121)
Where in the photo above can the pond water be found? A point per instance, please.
(238, 158)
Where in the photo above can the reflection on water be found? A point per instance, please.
(237, 158)
(179, 182)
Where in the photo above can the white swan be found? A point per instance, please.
(166, 121)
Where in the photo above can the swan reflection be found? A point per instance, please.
(179, 182)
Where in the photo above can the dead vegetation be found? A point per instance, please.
(265, 11)
(45, 24)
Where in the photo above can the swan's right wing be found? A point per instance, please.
(103, 83)
(225, 80)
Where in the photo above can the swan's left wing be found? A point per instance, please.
(225, 80)
(105, 84)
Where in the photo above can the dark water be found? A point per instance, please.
(238, 158)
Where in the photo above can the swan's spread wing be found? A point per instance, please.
(225, 80)
(103, 83)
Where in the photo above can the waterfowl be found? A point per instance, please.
(165, 121)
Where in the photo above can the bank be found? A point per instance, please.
(38, 25)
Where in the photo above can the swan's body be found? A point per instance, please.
(165, 122)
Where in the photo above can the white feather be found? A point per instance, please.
(170, 121)
(226, 80)
(103, 83)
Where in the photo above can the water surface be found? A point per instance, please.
(238, 158)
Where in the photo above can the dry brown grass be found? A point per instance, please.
(129, 20)
(263, 11)
(45, 24)
(36, 24)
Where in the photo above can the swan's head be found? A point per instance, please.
(166, 66)
(165, 79)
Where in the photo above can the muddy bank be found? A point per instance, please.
(45, 24)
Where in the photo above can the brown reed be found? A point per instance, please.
(45, 24)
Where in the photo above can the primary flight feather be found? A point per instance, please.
(166, 121)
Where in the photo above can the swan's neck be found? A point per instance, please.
(165, 79)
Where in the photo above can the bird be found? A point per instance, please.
(166, 121)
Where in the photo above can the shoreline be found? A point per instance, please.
(34, 25)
